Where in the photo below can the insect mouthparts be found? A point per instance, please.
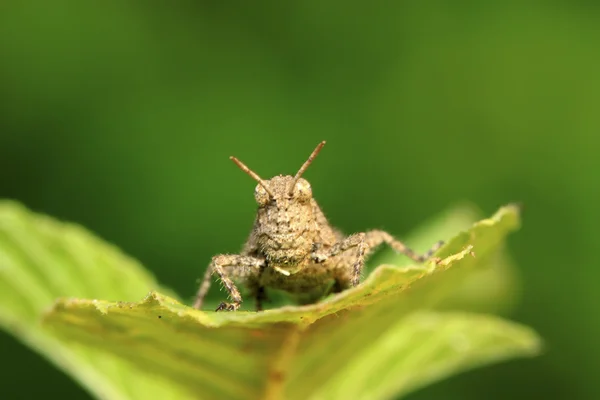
(281, 271)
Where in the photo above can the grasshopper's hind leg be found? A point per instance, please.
(365, 243)
(375, 238)
(356, 241)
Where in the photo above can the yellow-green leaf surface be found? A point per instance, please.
(488, 282)
(380, 339)
(491, 287)
(42, 259)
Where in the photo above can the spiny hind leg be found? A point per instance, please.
(375, 238)
(366, 243)
(237, 267)
(356, 241)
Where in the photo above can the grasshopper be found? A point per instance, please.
(292, 247)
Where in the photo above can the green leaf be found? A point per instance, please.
(491, 287)
(424, 347)
(377, 352)
(378, 339)
(371, 341)
(41, 260)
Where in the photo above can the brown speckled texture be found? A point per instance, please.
(293, 248)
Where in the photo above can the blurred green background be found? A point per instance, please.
(121, 117)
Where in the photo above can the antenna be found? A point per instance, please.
(306, 165)
(252, 174)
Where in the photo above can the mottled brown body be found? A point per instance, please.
(292, 246)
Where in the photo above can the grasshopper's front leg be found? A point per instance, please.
(227, 266)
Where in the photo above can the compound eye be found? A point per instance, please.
(261, 195)
(303, 190)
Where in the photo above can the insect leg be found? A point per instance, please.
(353, 241)
(204, 286)
(244, 267)
(261, 296)
(375, 238)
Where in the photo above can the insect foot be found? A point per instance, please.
(293, 248)
(228, 306)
